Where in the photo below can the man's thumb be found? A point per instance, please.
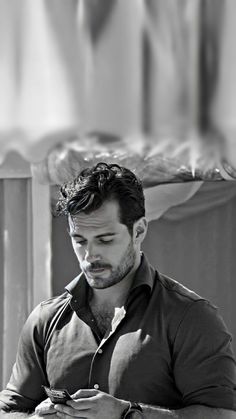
(84, 393)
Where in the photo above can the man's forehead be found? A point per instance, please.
(104, 217)
(77, 222)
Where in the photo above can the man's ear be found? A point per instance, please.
(140, 230)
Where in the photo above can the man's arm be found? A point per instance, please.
(24, 390)
(17, 415)
(191, 412)
(149, 412)
(95, 404)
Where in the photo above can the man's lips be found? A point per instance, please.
(96, 269)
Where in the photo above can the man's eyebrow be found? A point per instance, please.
(77, 235)
(74, 235)
(105, 234)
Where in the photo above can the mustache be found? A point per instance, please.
(95, 265)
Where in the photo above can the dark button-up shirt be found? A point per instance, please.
(166, 347)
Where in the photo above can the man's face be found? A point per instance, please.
(103, 246)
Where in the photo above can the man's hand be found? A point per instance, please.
(92, 404)
(46, 407)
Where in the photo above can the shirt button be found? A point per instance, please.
(96, 386)
(100, 351)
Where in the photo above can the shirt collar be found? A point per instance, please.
(144, 275)
(78, 288)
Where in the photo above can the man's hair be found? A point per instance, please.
(101, 183)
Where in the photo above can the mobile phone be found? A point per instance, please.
(57, 395)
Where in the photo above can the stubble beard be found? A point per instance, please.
(123, 269)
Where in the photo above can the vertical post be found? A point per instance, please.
(41, 242)
(25, 252)
(17, 267)
(1, 279)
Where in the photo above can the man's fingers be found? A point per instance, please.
(85, 393)
(46, 407)
(70, 411)
(80, 404)
(63, 416)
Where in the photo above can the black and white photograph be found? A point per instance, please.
(118, 209)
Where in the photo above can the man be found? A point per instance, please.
(124, 340)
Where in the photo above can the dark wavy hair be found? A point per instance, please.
(100, 183)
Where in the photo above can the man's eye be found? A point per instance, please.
(80, 242)
(106, 241)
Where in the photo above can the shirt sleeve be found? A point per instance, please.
(204, 364)
(24, 390)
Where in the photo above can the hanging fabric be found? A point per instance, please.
(158, 74)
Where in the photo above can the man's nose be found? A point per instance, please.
(91, 253)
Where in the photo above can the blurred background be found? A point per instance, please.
(148, 84)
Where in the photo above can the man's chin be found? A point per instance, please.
(97, 283)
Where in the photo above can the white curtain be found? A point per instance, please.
(137, 69)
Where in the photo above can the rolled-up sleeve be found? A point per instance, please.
(24, 391)
(204, 364)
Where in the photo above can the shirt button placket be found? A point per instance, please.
(99, 351)
(93, 366)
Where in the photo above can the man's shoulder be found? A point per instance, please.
(175, 290)
(174, 299)
(176, 303)
(43, 317)
(56, 301)
(45, 311)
